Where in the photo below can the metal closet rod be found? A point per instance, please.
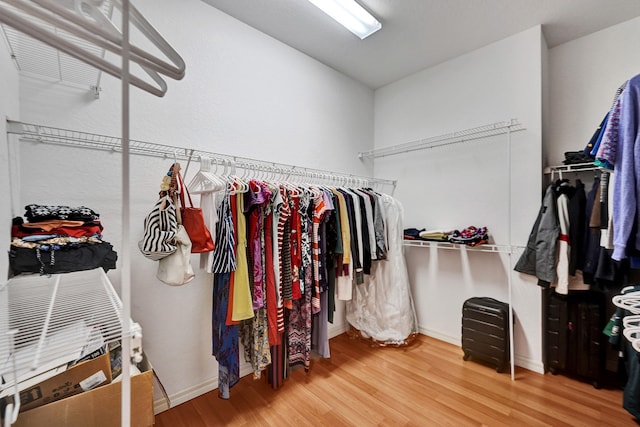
(498, 128)
(51, 135)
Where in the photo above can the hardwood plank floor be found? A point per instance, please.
(426, 384)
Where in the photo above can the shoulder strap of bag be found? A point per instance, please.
(183, 190)
(176, 183)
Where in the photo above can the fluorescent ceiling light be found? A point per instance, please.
(351, 15)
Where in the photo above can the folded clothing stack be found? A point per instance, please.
(470, 236)
(412, 233)
(59, 239)
(436, 235)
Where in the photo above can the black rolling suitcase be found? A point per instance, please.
(585, 355)
(575, 342)
(485, 331)
(557, 321)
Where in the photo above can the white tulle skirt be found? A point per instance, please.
(382, 307)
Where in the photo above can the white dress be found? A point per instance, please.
(382, 307)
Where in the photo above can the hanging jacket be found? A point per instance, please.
(539, 257)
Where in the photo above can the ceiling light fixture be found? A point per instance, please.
(351, 15)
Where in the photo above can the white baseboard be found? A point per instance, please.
(530, 364)
(161, 405)
(439, 335)
(185, 395)
(335, 330)
(521, 361)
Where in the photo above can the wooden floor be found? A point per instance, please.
(426, 384)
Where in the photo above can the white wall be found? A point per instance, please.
(584, 76)
(468, 183)
(245, 94)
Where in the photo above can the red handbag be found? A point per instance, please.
(193, 223)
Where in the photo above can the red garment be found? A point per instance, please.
(255, 243)
(270, 284)
(92, 229)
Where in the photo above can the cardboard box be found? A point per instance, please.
(99, 407)
(77, 379)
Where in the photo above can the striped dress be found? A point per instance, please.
(224, 337)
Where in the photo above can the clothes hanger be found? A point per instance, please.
(633, 336)
(205, 181)
(238, 184)
(632, 321)
(629, 301)
(85, 20)
(100, 24)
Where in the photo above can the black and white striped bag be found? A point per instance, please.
(160, 229)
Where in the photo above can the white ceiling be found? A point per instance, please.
(418, 34)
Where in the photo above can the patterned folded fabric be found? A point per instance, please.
(471, 236)
(37, 213)
(412, 233)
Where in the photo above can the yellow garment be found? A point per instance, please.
(345, 228)
(242, 301)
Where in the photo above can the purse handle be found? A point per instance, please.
(176, 183)
(183, 190)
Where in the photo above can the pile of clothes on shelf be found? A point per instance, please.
(470, 236)
(58, 239)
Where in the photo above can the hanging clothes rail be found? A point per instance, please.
(45, 134)
(498, 128)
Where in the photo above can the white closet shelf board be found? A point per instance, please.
(572, 168)
(504, 249)
(56, 319)
(51, 135)
(498, 128)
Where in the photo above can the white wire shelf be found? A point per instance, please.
(506, 249)
(577, 167)
(45, 134)
(54, 318)
(498, 128)
(37, 59)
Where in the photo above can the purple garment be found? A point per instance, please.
(626, 187)
(254, 202)
(609, 144)
(320, 329)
